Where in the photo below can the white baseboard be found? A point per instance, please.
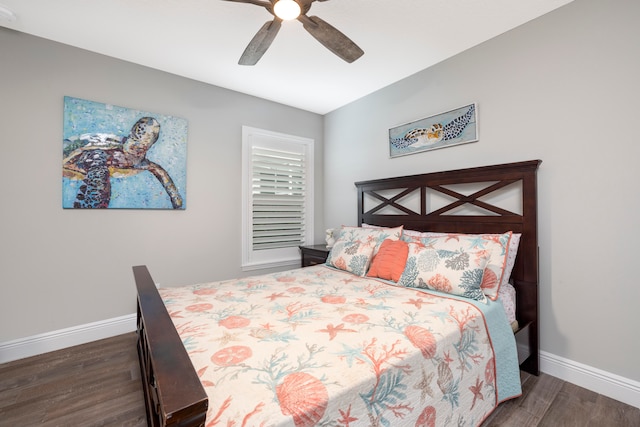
(605, 383)
(63, 338)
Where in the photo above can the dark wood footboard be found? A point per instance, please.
(173, 393)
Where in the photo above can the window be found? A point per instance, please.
(277, 197)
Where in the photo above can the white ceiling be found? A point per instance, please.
(203, 40)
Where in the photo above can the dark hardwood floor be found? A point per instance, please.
(94, 384)
(547, 401)
(98, 384)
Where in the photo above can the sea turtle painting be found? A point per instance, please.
(450, 128)
(107, 170)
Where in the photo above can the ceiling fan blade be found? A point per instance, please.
(260, 42)
(256, 2)
(331, 38)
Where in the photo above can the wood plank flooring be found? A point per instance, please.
(547, 401)
(98, 384)
(94, 384)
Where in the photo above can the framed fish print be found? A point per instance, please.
(442, 130)
(120, 158)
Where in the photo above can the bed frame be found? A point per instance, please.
(173, 393)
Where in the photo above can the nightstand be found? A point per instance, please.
(314, 254)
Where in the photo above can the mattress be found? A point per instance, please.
(319, 346)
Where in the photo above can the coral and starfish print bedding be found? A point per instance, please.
(319, 346)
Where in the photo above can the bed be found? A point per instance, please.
(339, 348)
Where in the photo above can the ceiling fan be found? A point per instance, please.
(327, 35)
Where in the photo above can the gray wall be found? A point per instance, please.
(64, 268)
(563, 88)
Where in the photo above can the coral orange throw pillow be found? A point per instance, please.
(390, 260)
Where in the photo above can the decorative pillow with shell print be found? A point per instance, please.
(456, 272)
(497, 245)
(355, 247)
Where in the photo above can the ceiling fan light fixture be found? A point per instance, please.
(287, 10)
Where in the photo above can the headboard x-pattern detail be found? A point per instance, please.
(497, 220)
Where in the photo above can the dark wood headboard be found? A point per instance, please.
(482, 216)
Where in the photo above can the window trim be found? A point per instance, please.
(270, 258)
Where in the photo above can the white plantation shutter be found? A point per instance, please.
(277, 198)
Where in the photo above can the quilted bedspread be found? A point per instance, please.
(318, 346)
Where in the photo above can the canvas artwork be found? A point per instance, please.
(120, 158)
(453, 127)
